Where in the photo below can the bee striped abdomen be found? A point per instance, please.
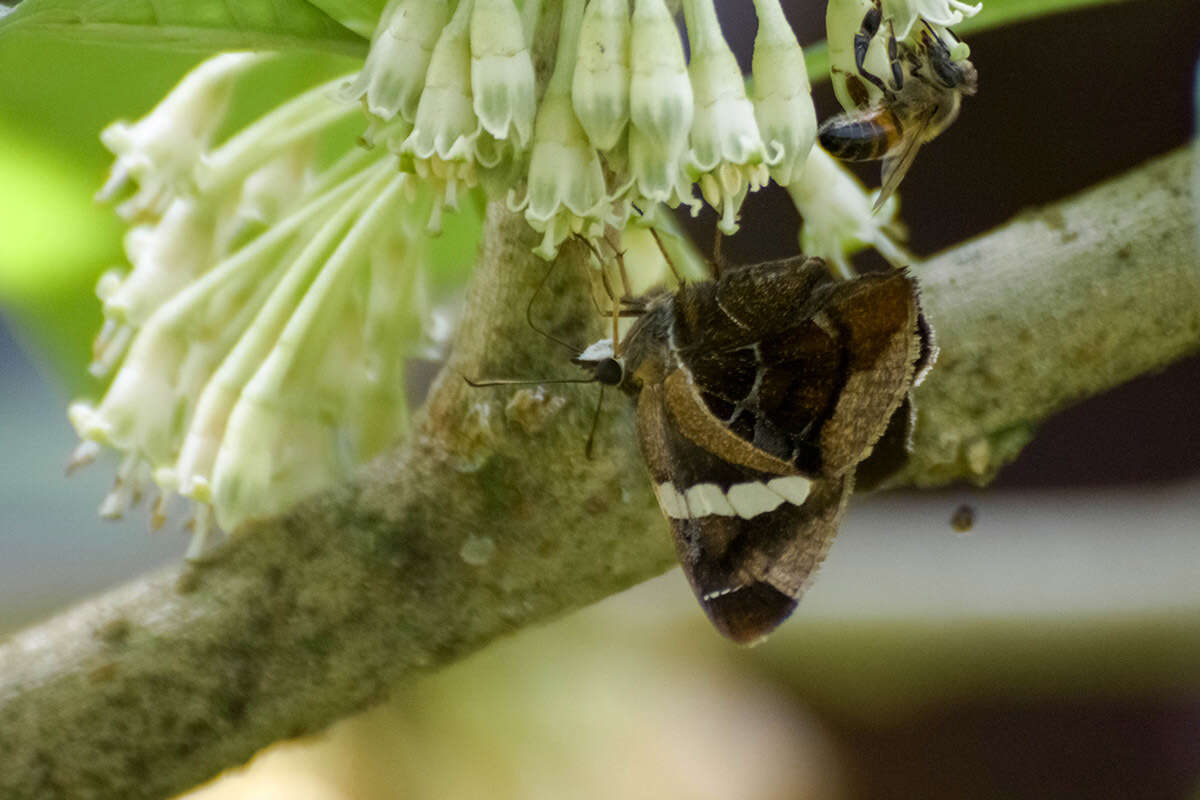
(861, 137)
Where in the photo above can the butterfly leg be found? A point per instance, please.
(718, 258)
(591, 437)
(662, 248)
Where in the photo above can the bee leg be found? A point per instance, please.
(894, 59)
(862, 41)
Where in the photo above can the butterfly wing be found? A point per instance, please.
(767, 388)
(748, 538)
(810, 377)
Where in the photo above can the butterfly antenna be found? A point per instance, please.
(529, 312)
(522, 382)
(591, 439)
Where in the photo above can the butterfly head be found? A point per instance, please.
(603, 363)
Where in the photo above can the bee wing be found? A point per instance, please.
(895, 167)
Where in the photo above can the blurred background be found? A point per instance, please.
(1051, 652)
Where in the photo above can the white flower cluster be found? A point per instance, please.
(625, 123)
(258, 336)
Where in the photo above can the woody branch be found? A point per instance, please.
(490, 518)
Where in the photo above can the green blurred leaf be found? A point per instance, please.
(53, 244)
(359, 16)
(195, 25)
(42, 197)
(55, 96)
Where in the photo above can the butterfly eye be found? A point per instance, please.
(609, 372)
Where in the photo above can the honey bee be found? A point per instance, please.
(922, 100)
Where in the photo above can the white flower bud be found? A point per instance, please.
(783, 104)
(140, 410)
(159, 151)
(727, 155)
(661, 108)
(565, 191)
(837, 215)
(843, 20)
(600, 87)
(441, 147)
(165, 256)
(502, 72)
(393, 77)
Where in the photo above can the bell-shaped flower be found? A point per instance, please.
(393, 77)
(903, 15)
(843, 21)
(159, 151)
(502, 82)
(165, 256)
(441, 148)
(837, 218)
(172, 356)
(140, 409)
(783, 103)
(727, 156)
(600, 87)
(565, 191)
(661, 110)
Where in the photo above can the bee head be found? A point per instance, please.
(968, 82)
(952, 74)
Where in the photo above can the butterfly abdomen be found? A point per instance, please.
(861, 137)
